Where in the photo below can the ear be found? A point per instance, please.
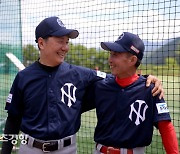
(133, 60)
(41, 43)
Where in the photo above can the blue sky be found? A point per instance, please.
(100, 20)
(9, 18)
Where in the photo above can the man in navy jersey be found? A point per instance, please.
(126, 109)
(45, 100)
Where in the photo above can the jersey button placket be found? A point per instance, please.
(50, 90)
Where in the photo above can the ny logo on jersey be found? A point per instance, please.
(68, 90)
(142, 106)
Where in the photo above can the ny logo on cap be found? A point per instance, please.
(120, 37)
(60, 22)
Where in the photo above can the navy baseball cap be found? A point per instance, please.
(53, 26)
(126, 42)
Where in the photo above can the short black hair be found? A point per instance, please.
(45, 38)
(138, 63)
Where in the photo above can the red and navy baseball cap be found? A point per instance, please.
(53, 26)
(126, 42)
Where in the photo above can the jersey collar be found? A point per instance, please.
(124, 82)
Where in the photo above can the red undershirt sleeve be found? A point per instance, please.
(169, 138)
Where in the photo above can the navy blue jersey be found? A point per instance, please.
(126, 116)
(49, 101)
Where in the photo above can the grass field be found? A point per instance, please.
(85, 135)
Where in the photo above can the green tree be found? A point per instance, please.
(88, 57)
(170, 61)
(30, 54)
(177, 52)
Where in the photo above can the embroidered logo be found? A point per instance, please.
(120, 37)
(134, 49)
(60, 22)
(9, 98)
(162, 108)
(142, 107)
(101, 74)
(68, 90)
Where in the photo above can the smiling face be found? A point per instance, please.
(53, 50)
(122, 64)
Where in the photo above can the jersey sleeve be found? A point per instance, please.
(12, 126)
(88, 102)
(95, 76)
(169, 137)
(161, 111)
(14, 99)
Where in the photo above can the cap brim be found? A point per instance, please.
(112, 46)
(71, 33)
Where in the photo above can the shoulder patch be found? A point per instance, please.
(101, 74)
(9, 98)
(162, 108)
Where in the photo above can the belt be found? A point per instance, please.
(51, 145)
(112, 150)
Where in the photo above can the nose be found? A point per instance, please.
(65, 47)
(110, 59)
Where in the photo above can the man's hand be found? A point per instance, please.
(158, 89)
